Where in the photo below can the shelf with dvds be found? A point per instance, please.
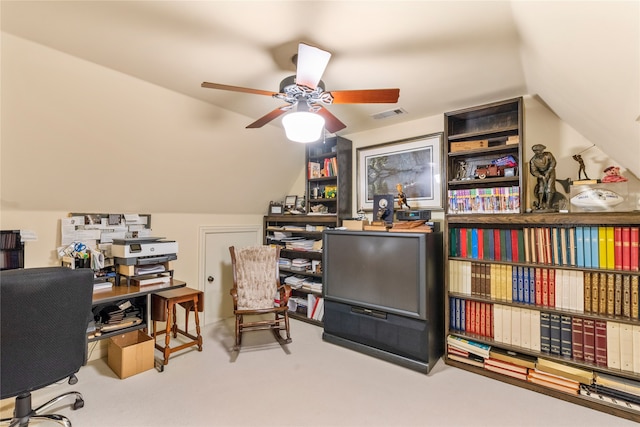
(484, 158)
(328, 183)
(549, 302)
(11, 250)
(300, 239)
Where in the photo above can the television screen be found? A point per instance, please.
(376, 270)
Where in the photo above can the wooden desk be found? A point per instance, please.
(138, 295)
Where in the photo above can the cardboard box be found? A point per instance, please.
(131, 353)
(354, 224)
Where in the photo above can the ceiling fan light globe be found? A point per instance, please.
(303, 126)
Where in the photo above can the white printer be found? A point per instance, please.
(144, 250)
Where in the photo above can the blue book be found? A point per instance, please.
(554, 326)
(565, 336)
(452, 312)
(507, 241)
(594, 247)
(586, 246)
(520, 284)
(545, 332)
(514, 284)
(523, 273)
(532, 285)
(579, 247)
(474, 243)
(463, 311)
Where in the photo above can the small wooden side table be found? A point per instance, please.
(163, 308)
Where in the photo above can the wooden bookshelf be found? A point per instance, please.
(490, 297)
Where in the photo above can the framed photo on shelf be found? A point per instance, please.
(276, 209)
(413, 163)
(290, 202)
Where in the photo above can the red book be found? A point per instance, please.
(483, 319)
(480, 243)
(634, 252)
(617, 248)
(488, 321)
(476, 327)
(463, 242)
(552, 287)
(588, 340)
(601, 342)
(514, 246)
(542, 281)
(467, 317)
(577, 336)
(626, 248)
(496, 244)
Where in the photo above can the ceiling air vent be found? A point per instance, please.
(389, 113)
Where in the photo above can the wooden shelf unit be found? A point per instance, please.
(484, 135)
(336, 150)
(286, 223)
(538, 220)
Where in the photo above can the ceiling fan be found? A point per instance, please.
(305, 92)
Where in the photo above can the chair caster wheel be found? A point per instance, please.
(79, 403)
(73, 379)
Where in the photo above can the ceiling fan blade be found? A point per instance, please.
(331, 122)
(365, 96)
(238, 89)
(268, 117)
(310, 65)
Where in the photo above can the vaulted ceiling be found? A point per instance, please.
(582, 59)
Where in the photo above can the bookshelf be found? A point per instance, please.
(542, 300)
(484, 158)
(304, 275)
(328, 182)
(11, 250)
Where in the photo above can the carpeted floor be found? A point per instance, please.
(307, 383)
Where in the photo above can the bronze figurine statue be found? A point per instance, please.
(543, 167)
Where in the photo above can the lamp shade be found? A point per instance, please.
(303, 126)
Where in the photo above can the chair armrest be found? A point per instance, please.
(285, 293)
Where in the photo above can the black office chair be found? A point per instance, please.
(43, 335)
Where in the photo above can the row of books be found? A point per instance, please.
(606, 343)
(9, 240)
(312, 306)
(548, 373)
(603, 247)
(484, 200)
(328, 168)
(616, 294)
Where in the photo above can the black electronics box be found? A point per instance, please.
(410, 215)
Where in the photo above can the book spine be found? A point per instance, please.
(626, 248)
(586, 282)
(577, 338)
(601, 342)
(554, 327)
(617, 294)
(594, 247)
(580, 246)
(532, 284)
(610, 245)
(617, 248)
(634, 249)
(565, 336)
(602, 247)
(613, 345)
(588, 340)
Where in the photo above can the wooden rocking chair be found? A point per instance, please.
(257, 291)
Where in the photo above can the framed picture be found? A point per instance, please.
(290, 202)
(275, 209)
(412, 163)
